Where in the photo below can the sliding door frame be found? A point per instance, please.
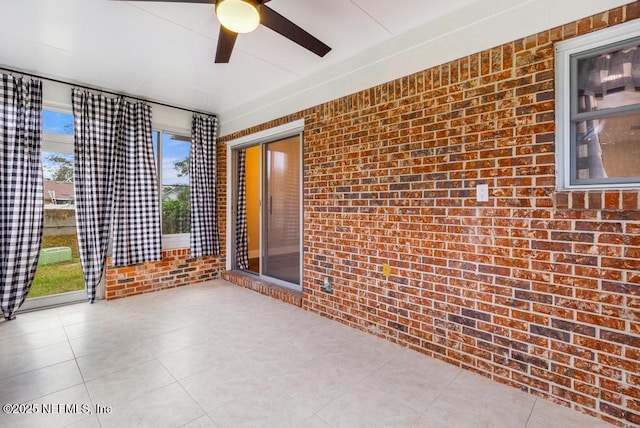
(291, 129)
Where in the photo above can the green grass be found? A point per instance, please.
(57, 278)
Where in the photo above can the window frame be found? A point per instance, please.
(567, 54)
(289, 129)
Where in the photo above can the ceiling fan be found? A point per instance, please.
(244, 16)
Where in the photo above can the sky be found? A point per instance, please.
(173, 150)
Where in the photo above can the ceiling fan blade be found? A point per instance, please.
(281, 25)
(226, 40)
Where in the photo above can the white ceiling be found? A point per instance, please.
(164, 51)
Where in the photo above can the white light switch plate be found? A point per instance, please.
(482, 192)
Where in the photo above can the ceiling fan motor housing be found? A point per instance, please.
(239, 16)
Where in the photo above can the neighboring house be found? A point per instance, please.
(172, 193)
(58, 192)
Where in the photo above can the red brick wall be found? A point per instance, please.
(536, 288)
(177, 268)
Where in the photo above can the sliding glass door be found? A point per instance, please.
(58, 279)
(268, 210)
(281, 213)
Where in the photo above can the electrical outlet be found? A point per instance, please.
(386, 270)
(482, 193)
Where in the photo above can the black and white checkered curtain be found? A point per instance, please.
(588, 150)
(136, 212)
(599, 76)
(242, 249)
(94, 148)
(205, 239)
(612, 72)
(115, 184)
(21, 199)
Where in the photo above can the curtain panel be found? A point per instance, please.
(94, 151)
(598, 77)
(589, 163)
(242, 247)
(204, 236)
(136, 220)
(21, 197)
(608, 73)
(116, 185)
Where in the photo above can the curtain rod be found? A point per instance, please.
(10, 70)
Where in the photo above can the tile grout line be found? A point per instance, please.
(535, 402)
(442, 391)
(75, 359)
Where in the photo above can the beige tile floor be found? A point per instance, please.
(216, 355)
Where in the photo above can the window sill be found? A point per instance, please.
(174, 242)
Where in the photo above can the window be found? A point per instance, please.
(598, 102)
(172, 155)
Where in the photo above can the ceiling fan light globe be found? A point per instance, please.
(238, 16)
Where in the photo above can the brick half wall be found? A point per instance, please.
(176, 269)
